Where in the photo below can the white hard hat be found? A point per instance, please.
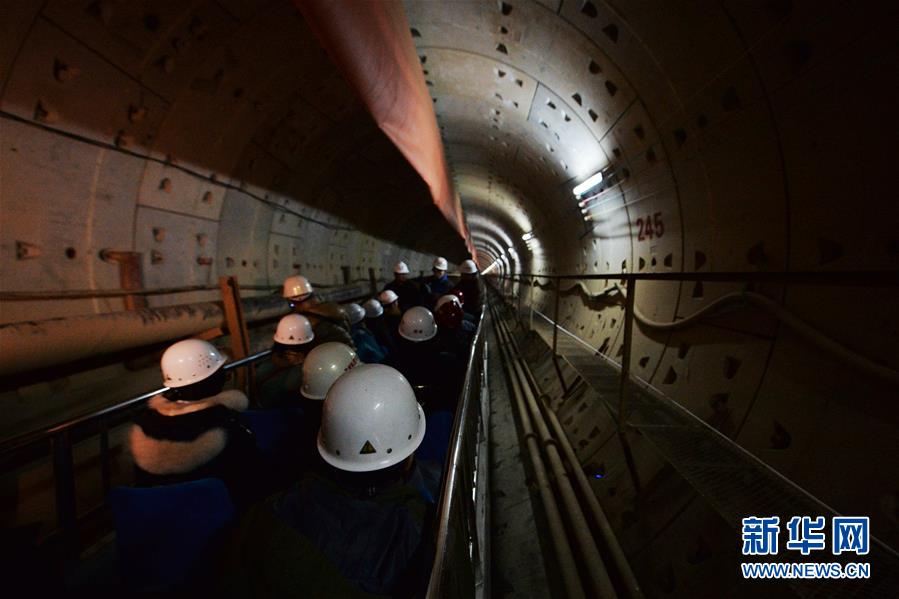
(370, 420)
(400, 268)
(296, 286)
(469, 267)
(294, 329)
(324, 365)
(418, 324)
(373, 308)
(447, 298)
(189, 361)
(387, 297)
(440, 263)
(354, 312)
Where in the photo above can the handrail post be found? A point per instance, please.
(237, 329)
(64, 481)
(624, 380)
(372, 280)
(558, 292)
(556, 316)
(531, 305)
(104, 456)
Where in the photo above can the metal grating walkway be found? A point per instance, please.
(734, 482)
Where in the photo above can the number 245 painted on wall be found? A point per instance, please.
(650, 227)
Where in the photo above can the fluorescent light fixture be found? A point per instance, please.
(527, 236)
(587, 185)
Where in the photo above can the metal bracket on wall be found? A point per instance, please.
(131, 275)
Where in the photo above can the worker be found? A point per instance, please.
(390, 301)
(278, 379)
(377, 324)
(192, 430)
(367, 346)
(438, 284)
(322, 367)
(435, 375)
(454, 333)
(409, 292)
(356, 529)
(329, 322)
(470, 286)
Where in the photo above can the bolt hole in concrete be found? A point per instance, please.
(670, 377)
(780, 437)
(71, 253)
(731, 366)
(697, 290)
(699, 260)
(611, 31)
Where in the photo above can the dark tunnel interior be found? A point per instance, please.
(744, 150)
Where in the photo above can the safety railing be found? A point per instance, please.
(461, 560)
(62, 438)
(736, 482)
(59, 439)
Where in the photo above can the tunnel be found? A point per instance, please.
(682, 211)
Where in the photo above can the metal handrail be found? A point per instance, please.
(35, 436)
(447, 507)
(872, 278)
(65, 294)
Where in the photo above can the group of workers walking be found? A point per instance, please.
(366, 380)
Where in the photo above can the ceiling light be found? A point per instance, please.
(587, 185)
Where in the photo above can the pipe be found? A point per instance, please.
(31, 345)
(601, 585)
(632, 586)
(796, 324)
(565, 558)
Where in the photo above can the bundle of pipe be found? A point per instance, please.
(30, 345)
(526, 392)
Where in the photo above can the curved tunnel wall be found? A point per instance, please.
(734, 137)
(213, 138)
(216, 137)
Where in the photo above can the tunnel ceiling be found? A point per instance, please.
(695, 112)
(502, 76)
(192, 87)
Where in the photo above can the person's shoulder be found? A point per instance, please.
(233, 399)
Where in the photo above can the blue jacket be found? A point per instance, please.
(367, 347)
